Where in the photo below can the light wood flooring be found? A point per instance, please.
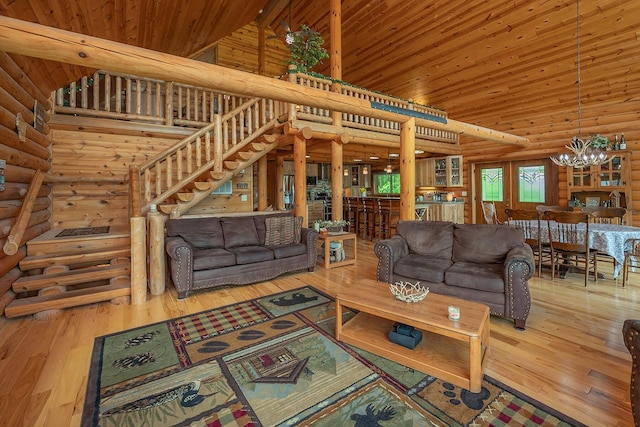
(571, 356)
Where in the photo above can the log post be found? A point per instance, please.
(156, 251)
(300, 172)
(336, 178)
(293, 76)
(262, 183)
(279, 183)
(408, 169)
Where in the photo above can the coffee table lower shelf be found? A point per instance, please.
(443, 357)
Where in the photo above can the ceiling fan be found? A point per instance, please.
(289, 33)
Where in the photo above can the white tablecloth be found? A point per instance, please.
(612, 239)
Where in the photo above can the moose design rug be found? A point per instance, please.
(273, 361)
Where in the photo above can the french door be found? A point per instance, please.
(521, 184)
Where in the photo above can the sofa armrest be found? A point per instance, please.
(181, 262)
(519, 267)
(388, 252)
(309, 236)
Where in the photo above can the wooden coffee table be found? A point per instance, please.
(453, 351)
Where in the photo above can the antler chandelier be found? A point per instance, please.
(583, 154)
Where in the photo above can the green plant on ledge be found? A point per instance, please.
(599, 141)
(307, 49)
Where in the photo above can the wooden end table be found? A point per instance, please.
(453, 351)
(350, 256)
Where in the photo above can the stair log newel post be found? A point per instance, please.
(156, 251)
(407, 169)
(300, 172)
(217, 143)
(138, 240)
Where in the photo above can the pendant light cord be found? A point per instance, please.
(579, 77)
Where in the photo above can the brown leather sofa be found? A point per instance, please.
(631, 334)
(215, 251)
(485, 263)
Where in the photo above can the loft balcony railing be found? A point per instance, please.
(120, 96)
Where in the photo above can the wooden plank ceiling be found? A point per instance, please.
(507, 65)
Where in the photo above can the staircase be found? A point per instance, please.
(67, 271)
(70, 271)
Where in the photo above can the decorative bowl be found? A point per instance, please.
(408, 292)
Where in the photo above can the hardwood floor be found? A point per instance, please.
(571, 356)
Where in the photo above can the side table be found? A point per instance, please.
(349, 248)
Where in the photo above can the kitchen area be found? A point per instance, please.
(438, 181)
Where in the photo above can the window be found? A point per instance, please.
(387, 183)
(491, 184)
(226, 188)
(531, 184)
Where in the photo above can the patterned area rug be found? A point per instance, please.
(273, 361)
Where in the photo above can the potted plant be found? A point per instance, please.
(333, 226)
(306, 49)
(599, 141)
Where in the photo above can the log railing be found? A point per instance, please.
(356, 121)
(203, 151)
(121, 96)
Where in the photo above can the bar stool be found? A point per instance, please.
(381, 213)
(390, 212)
(350, 209)
(365, 217)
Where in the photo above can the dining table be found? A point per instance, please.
(611, 239)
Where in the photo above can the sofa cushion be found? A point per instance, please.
(483, 277)
(421, 267)
(201, 233)
(205, 259)
(251, 254)
(430, 238)
(484, 243)
(261, 226)
(286, 251)
(239, 231)
(282, 230)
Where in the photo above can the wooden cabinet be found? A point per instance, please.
(439, 172)
(425, 173)
(440, 211)
(598, 182)
(356, 179)
(312, 169)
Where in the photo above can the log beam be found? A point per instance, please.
(44, 42)
(407, 170)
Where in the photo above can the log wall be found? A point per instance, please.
(24, 152)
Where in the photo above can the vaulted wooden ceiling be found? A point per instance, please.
(508, 65)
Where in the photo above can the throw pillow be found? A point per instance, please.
(282, 230)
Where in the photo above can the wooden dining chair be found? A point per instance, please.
(631, 259)
(529, 222)
(607, 215)
(489, 212)
(601, 215)
(554, 208)
(569, 240)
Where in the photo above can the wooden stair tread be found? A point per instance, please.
(72, 277)
(41, 261)
(30, 305)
